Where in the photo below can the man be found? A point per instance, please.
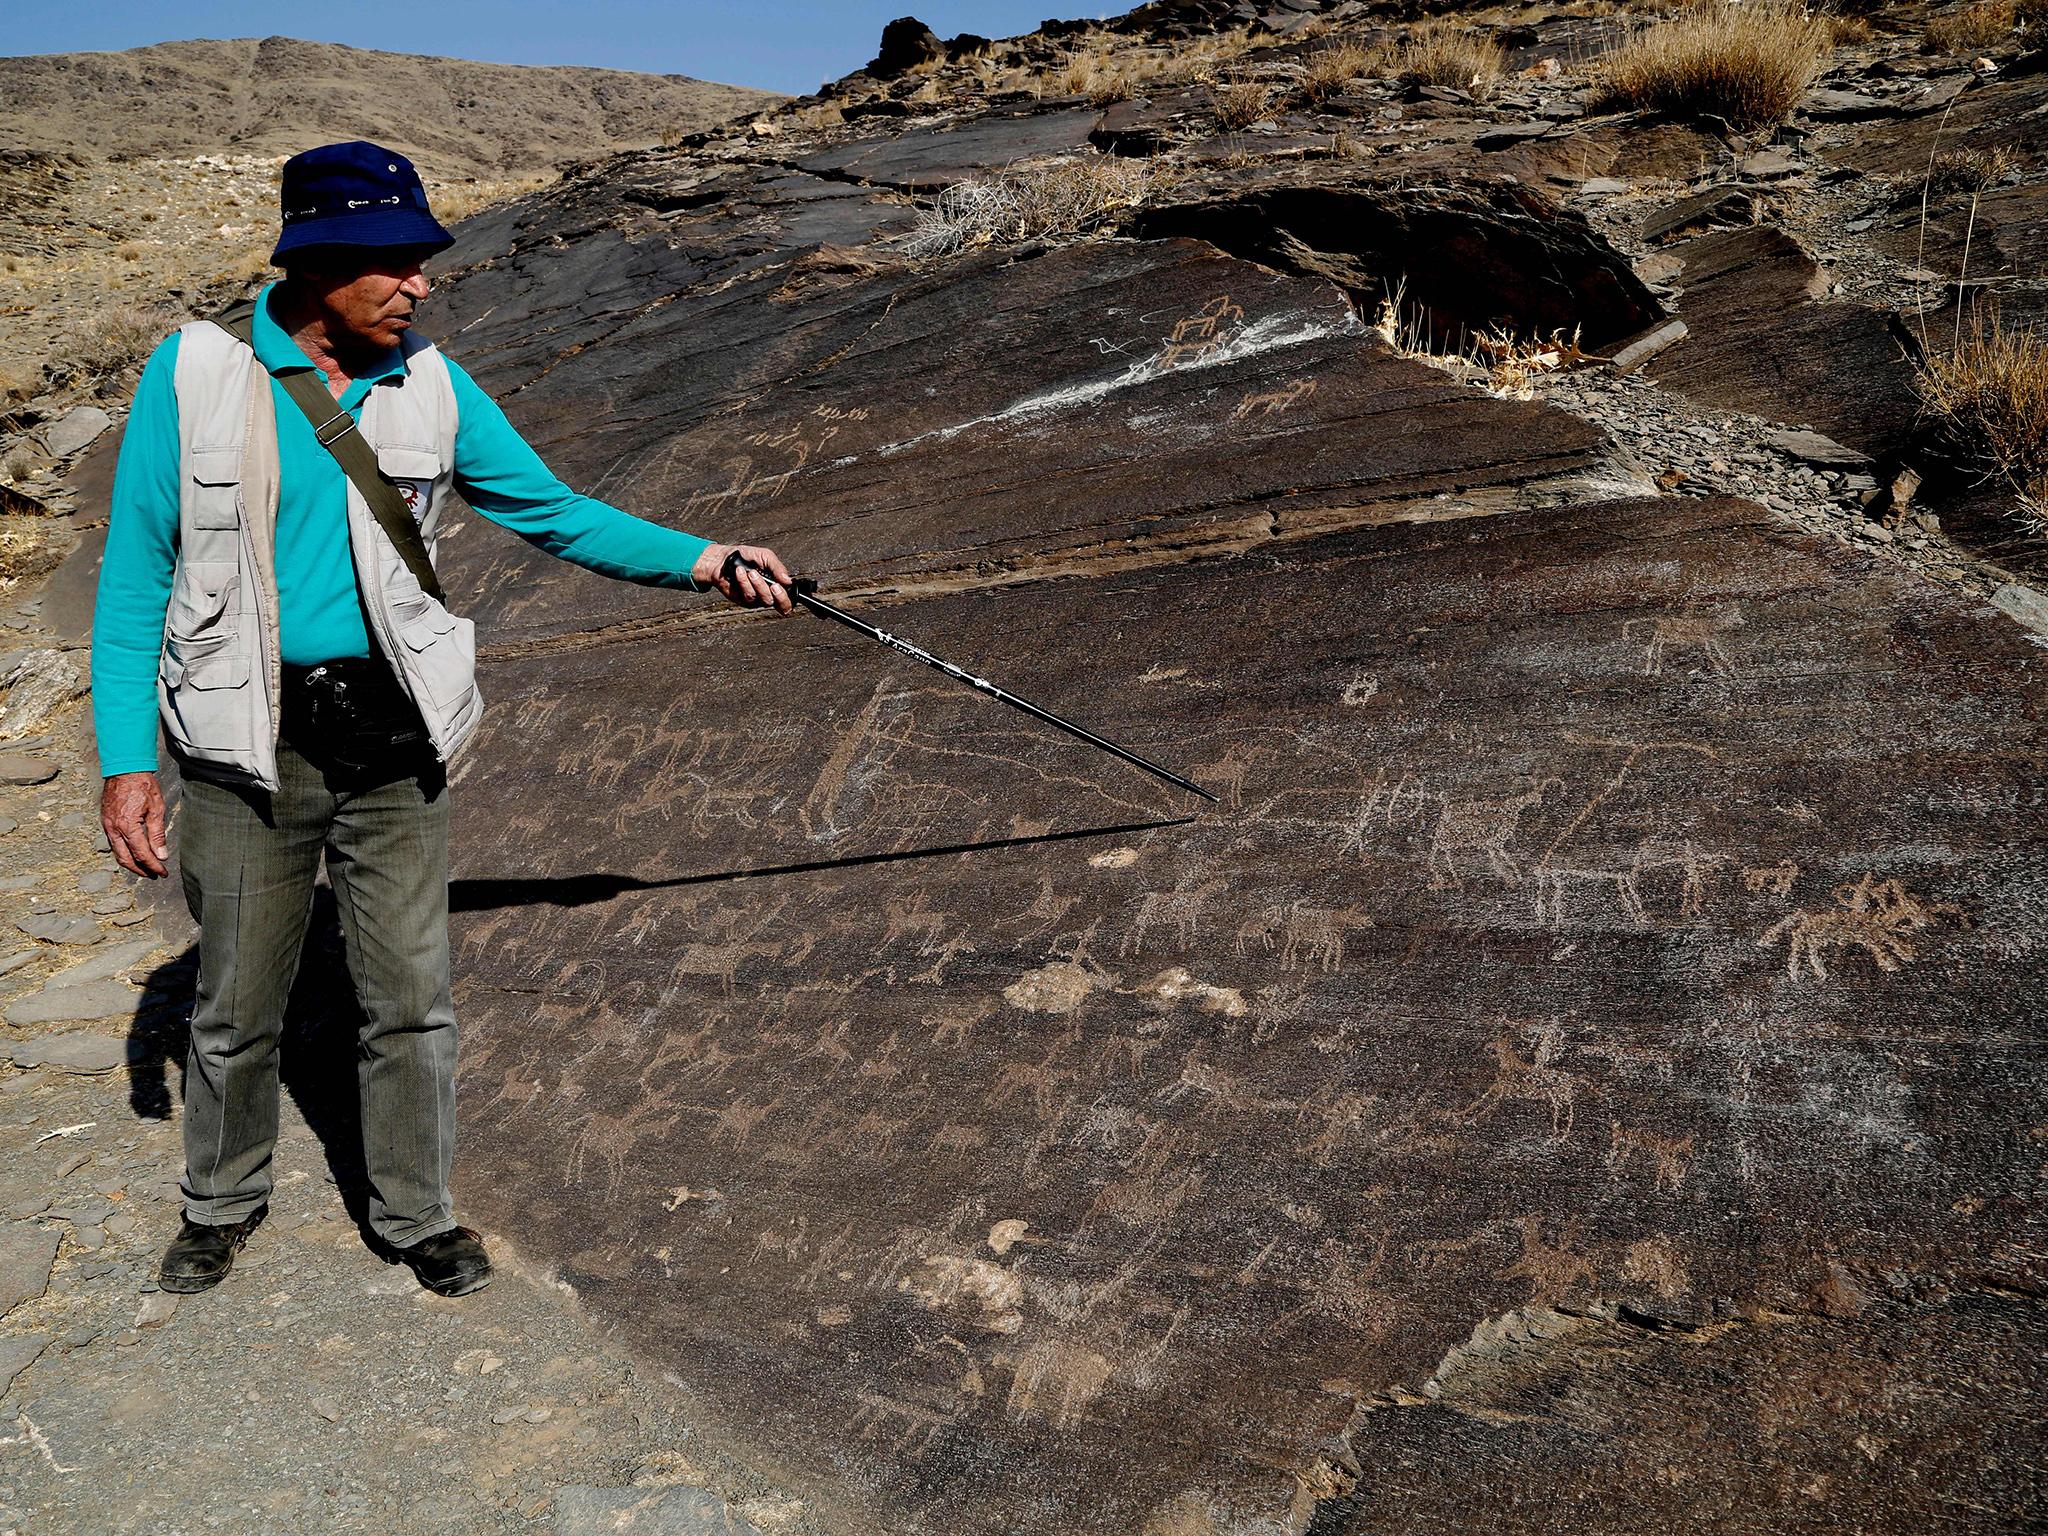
(277, 610)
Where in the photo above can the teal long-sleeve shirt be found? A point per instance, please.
(319, 615)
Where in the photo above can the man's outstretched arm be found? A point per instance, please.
(505, 480)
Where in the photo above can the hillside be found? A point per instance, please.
(276, 95)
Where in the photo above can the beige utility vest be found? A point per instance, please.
(218, 680)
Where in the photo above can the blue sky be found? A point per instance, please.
(781, 45)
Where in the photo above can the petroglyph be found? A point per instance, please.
(972, 1292)
(1692, 631)
(1054, 1382)
(899, 1428)
(1872, 915)
(1197, 336)
(1668, 1156)
(1553, 1269)
(1363, 688)
(1776, 879)
(1276, 402)
(613, 1138)
(1311, 936)
(1531, 1075)
(1182, 907)
(1480, 829)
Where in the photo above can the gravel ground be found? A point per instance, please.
(317, 1388)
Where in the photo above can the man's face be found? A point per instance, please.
(372, 304)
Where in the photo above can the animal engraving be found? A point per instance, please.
(1196, 336)
(1055, 1382)
(1480, 829)
(1699, 632)
(1274, 402)
(1669, 1156)
(1533, 1076)
(1182, 906)
(1315, 935)
(1775, 878)
(1872, 915)
(903, 1429)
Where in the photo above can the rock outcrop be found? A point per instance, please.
(1584, 1074)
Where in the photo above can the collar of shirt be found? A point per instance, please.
(278, 353)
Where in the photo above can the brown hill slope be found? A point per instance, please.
(276, 95)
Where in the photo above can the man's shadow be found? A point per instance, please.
(317, 1053)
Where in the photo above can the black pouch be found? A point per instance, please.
(351, 716)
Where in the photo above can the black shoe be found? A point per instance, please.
(451, 1263)
(200, 1256)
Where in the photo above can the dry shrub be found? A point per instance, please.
(1440, 52)
(1201, 61)
(455, 201)
(1743, 64)
(15, 383)
(1970, 168)
(1849, 29)
(1329, 70)
(1058, 198)
(20, 465)
(1987, 396)
(1973, 28)
(114, 338)
(1240, 103)
(129, 250)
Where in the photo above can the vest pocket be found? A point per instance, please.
(443, 648)
(205, 599)
(216, 661)
(217, 479)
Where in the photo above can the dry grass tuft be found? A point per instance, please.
(15, 383)
(1970, 168)
(1059, 198)
(455, 201)
(1743, 64)
(1974, 27)
(129, 250)
(1241, 103)
(1329, 70)
(1440, 52)
(114, 338)
(1987, 396)
(1849, 29)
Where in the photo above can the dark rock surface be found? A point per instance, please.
(992, 1157)
(1473, 253)
(1762, 338)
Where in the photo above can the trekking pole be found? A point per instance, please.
(804, 592)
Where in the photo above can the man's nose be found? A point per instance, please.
(415, 286)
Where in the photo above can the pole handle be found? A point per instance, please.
(802, 584)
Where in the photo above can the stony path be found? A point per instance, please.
(317, 1389)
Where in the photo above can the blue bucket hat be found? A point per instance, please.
(355, 194)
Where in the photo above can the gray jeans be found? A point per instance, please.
(248, 859)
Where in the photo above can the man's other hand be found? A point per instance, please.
(749, 589)
(132, 816)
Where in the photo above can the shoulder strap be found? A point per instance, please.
(336, 431)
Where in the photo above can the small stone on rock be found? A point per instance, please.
(156, 1309)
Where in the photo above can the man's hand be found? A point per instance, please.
(132, 816)
(749, 589)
